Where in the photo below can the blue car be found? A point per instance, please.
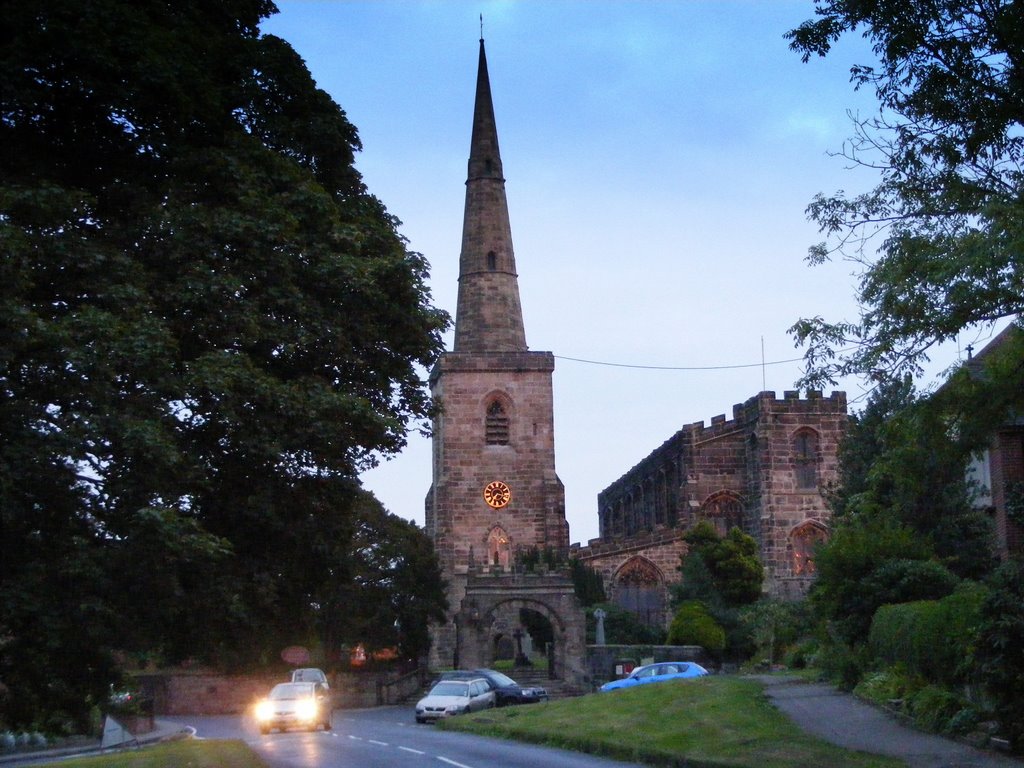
(657, 673)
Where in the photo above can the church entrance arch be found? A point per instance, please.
(539, 622)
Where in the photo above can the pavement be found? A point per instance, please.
(845, 720)
(163, 730)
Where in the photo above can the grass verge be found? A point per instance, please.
(187, 753)
(711, 721)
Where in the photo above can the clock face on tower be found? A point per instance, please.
(497, 494)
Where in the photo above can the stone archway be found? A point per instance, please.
(493, 609)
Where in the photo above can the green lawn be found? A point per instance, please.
(189, 753)
(711, 721)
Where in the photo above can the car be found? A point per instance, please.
(506, 690)
(295, 705)
(657, 673)
(310, 675)
(454, 697)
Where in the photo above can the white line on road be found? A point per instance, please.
(452, 762)
(378, 743)
(414, 751)
(355, 738)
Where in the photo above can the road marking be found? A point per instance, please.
(378, 743)
(452, 762)
(355, 738)
(414, 751)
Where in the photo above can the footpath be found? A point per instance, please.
(163, 730)
(845, 720)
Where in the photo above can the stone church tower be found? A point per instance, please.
(494, 491)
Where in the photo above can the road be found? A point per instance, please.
(387, 737)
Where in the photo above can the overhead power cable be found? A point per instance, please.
(679, 367)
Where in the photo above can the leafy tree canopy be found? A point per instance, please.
(210, 326)
(871, 561)
(723, 572)
(938, 241)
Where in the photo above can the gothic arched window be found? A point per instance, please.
(803, 540)
(639, 588)
(492, 260)
(805, 453)
(496, 426)
(724, 510)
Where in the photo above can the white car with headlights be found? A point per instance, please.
(295, 705)
(454, 697)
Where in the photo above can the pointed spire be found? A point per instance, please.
(489, 317)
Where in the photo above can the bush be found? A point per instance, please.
(843, 664)
(622, 627)
(933, 708)
(693, 624)
(933, 638)
(803, 654)
(1000, 649)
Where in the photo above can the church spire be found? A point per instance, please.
(489, 317)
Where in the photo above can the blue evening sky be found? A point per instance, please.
(659, 157)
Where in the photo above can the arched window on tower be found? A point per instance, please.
(805, 454)
(492, 260)
(804, 538)
(496, 426)
(498, 547)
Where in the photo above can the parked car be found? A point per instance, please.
(454, 697)
(506, 690)
(295, 705)
(657, 673)
(310, 675)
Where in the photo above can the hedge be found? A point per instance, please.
(934, 638)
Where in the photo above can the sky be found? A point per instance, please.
(659, 157)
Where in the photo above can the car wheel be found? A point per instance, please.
(327, 723)
(420, 720)
(264, 729)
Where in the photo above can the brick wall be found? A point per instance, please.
(207, 693)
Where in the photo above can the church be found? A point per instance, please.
(495, 491)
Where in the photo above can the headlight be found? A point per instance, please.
(264, 710)
(306, 710)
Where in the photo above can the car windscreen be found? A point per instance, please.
(286, 691)
(449, 688)
(499, 679)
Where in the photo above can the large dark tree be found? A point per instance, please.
(904, 459)
(939, 239)
(209, 328)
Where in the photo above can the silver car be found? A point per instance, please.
(454, 697)
(295, 705)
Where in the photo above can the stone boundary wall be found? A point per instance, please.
(209, 693)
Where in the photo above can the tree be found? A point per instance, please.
(871, 561)
(730, 563)
(947, 215)
(210, 327)
(380, 585)
(904, 458)
(588, 584)
(999, 649)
